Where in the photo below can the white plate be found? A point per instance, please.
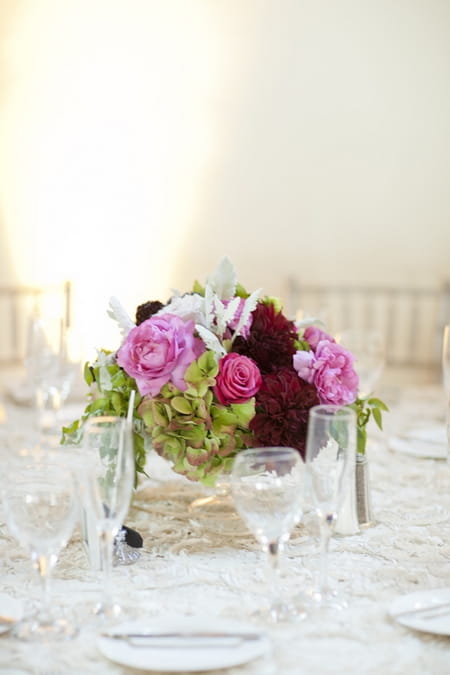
(192, 657)
(10, 608)
(428, 443)
(435, 621)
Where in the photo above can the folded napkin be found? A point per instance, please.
(425, 442)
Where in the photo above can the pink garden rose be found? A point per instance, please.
(313, 335)
(330, 369)
(238, 379)
(159, 350)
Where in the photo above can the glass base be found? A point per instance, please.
(50, 628)
(316, 599)
(280, 613)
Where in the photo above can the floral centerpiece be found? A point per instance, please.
(217, 370)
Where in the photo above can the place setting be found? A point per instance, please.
(217, 420)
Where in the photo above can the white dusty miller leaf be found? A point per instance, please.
(118, 314)
(247, 309)
(211, 341)
(224, 280)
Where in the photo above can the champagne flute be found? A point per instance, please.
(267, 489)
(40, 505)
(106, 491)
(330, 452)
(445, 363)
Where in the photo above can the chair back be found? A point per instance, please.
(411, 320)
(18, 305)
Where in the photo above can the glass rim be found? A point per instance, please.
(328, 410)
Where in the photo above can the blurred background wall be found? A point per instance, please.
(140, 141)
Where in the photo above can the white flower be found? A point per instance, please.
(187, 307)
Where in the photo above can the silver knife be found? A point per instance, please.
(184, 638)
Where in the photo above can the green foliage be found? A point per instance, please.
(199, 435)
(110, 390)
(366, 408)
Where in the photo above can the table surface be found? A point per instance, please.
(190, 566)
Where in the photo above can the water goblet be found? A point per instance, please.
(50, 370)
(330, 453)
(41, 507)
(106, 490)
(368, 348)
(267, 489)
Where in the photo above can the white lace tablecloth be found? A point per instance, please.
(189, 568)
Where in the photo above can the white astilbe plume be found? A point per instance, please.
(211, 341)
(248, 307)
(120, 316)
(224, 280)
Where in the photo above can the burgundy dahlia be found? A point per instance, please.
(282, 408)
(146, 310)
(271, 342)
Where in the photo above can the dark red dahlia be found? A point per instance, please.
(282, 407)
(271, 341)
(146, 310)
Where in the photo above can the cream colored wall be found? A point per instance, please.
(142, 140)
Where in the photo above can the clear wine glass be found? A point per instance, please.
(445, 363)
(106, 490)
(41, 507)
(330, 453)
(267, 489)
(368, 348)
(49, 369)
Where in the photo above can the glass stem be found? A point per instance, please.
(43, 564)
(106, 552)
(274, 549)
(325, 536)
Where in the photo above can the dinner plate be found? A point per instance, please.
(426, 611)
(428, 443)
(188, 654)
(10, 612)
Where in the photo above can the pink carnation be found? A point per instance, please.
(335, 378)
(238, 379)
(314, 335)
(159, 350)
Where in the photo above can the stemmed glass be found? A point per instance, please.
(330, 453)
(106, 490)
(445, 362)
(49, 369)
(41, 508)
(267, 489)
(368, 347)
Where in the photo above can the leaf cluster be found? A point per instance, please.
(110, 391)
(367, 408)
(196, 433)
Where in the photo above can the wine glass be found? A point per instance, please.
(41, 508)
(267, 489)
(445, 360)
(368, 348)
(49, 368)
(106, 489)
(330, 453)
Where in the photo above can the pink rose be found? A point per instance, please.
(238, 379)
(335, 378)
(314, 335)
(159, 350)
